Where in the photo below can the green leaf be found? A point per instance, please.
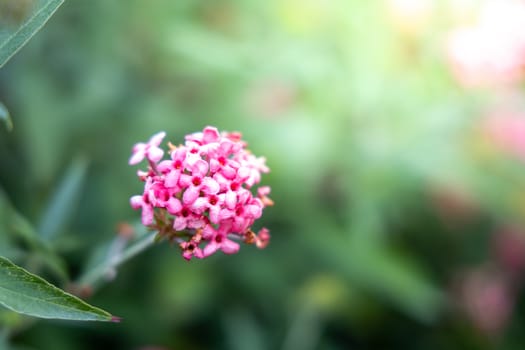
(12, 40)
(5, 117)
(14, 226)
(29, 294)
(63, 202)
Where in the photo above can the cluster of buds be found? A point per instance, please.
(202, 197)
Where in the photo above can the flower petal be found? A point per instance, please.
(137, 153)
(155, 154)
(210, 186)
(210, 134)
(263, 191)
(208, 232)
(184, 180)
(253, 211)
(197, 252)
(200, 205)
(214, 214)
(243, 173)
(172, 178)
(179, 224)
(229, 247)
(156, 139)
(210, 248)
(225, 214)
(174, 206)
(147, 215)
(200, 168)
(230, 200)
(190, 195)
(228, 172)
(136, 202)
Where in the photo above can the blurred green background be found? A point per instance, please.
(398, 224)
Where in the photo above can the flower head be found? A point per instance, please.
(202, 196)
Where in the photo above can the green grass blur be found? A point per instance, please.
(389, 203)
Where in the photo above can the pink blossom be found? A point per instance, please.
(488, 299)
(263, 238)
(213, 204)
(218, 239)
(186, 218)
(149, 150)
(210, 134)
(506, 131)
(202, 197)
(492, 51)
(191, 248)
(197, 182)
(147, 209)
(508, 247)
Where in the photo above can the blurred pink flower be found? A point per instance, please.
(262, 238)
(492, 51)
(508, 248)
(506, 131)
(203, 193)
(487, 299)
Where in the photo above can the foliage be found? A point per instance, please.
(398, 217)
(28, 294)
(4, 115)
(38, 12)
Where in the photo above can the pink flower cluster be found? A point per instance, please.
(201, 198)
(492, 51)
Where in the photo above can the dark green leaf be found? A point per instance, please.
(63, 201)
(12, 40)
(5, 117)
(13, 227)
(29, 294)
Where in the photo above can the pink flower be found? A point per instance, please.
(149, 150)
(203, 193)
(186, 218)
(488, 299)
(262, 193)
(492, 51)
(506, 131)
(147, 209)
(214, 205)
(197, 182)
(509, 249)
(218, 239)
(263, 238)
(191, 248)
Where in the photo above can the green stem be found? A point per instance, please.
(4, 335)
(101, 272)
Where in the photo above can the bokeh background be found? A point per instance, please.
(395, 134)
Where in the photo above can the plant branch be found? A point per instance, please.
(107, 269)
